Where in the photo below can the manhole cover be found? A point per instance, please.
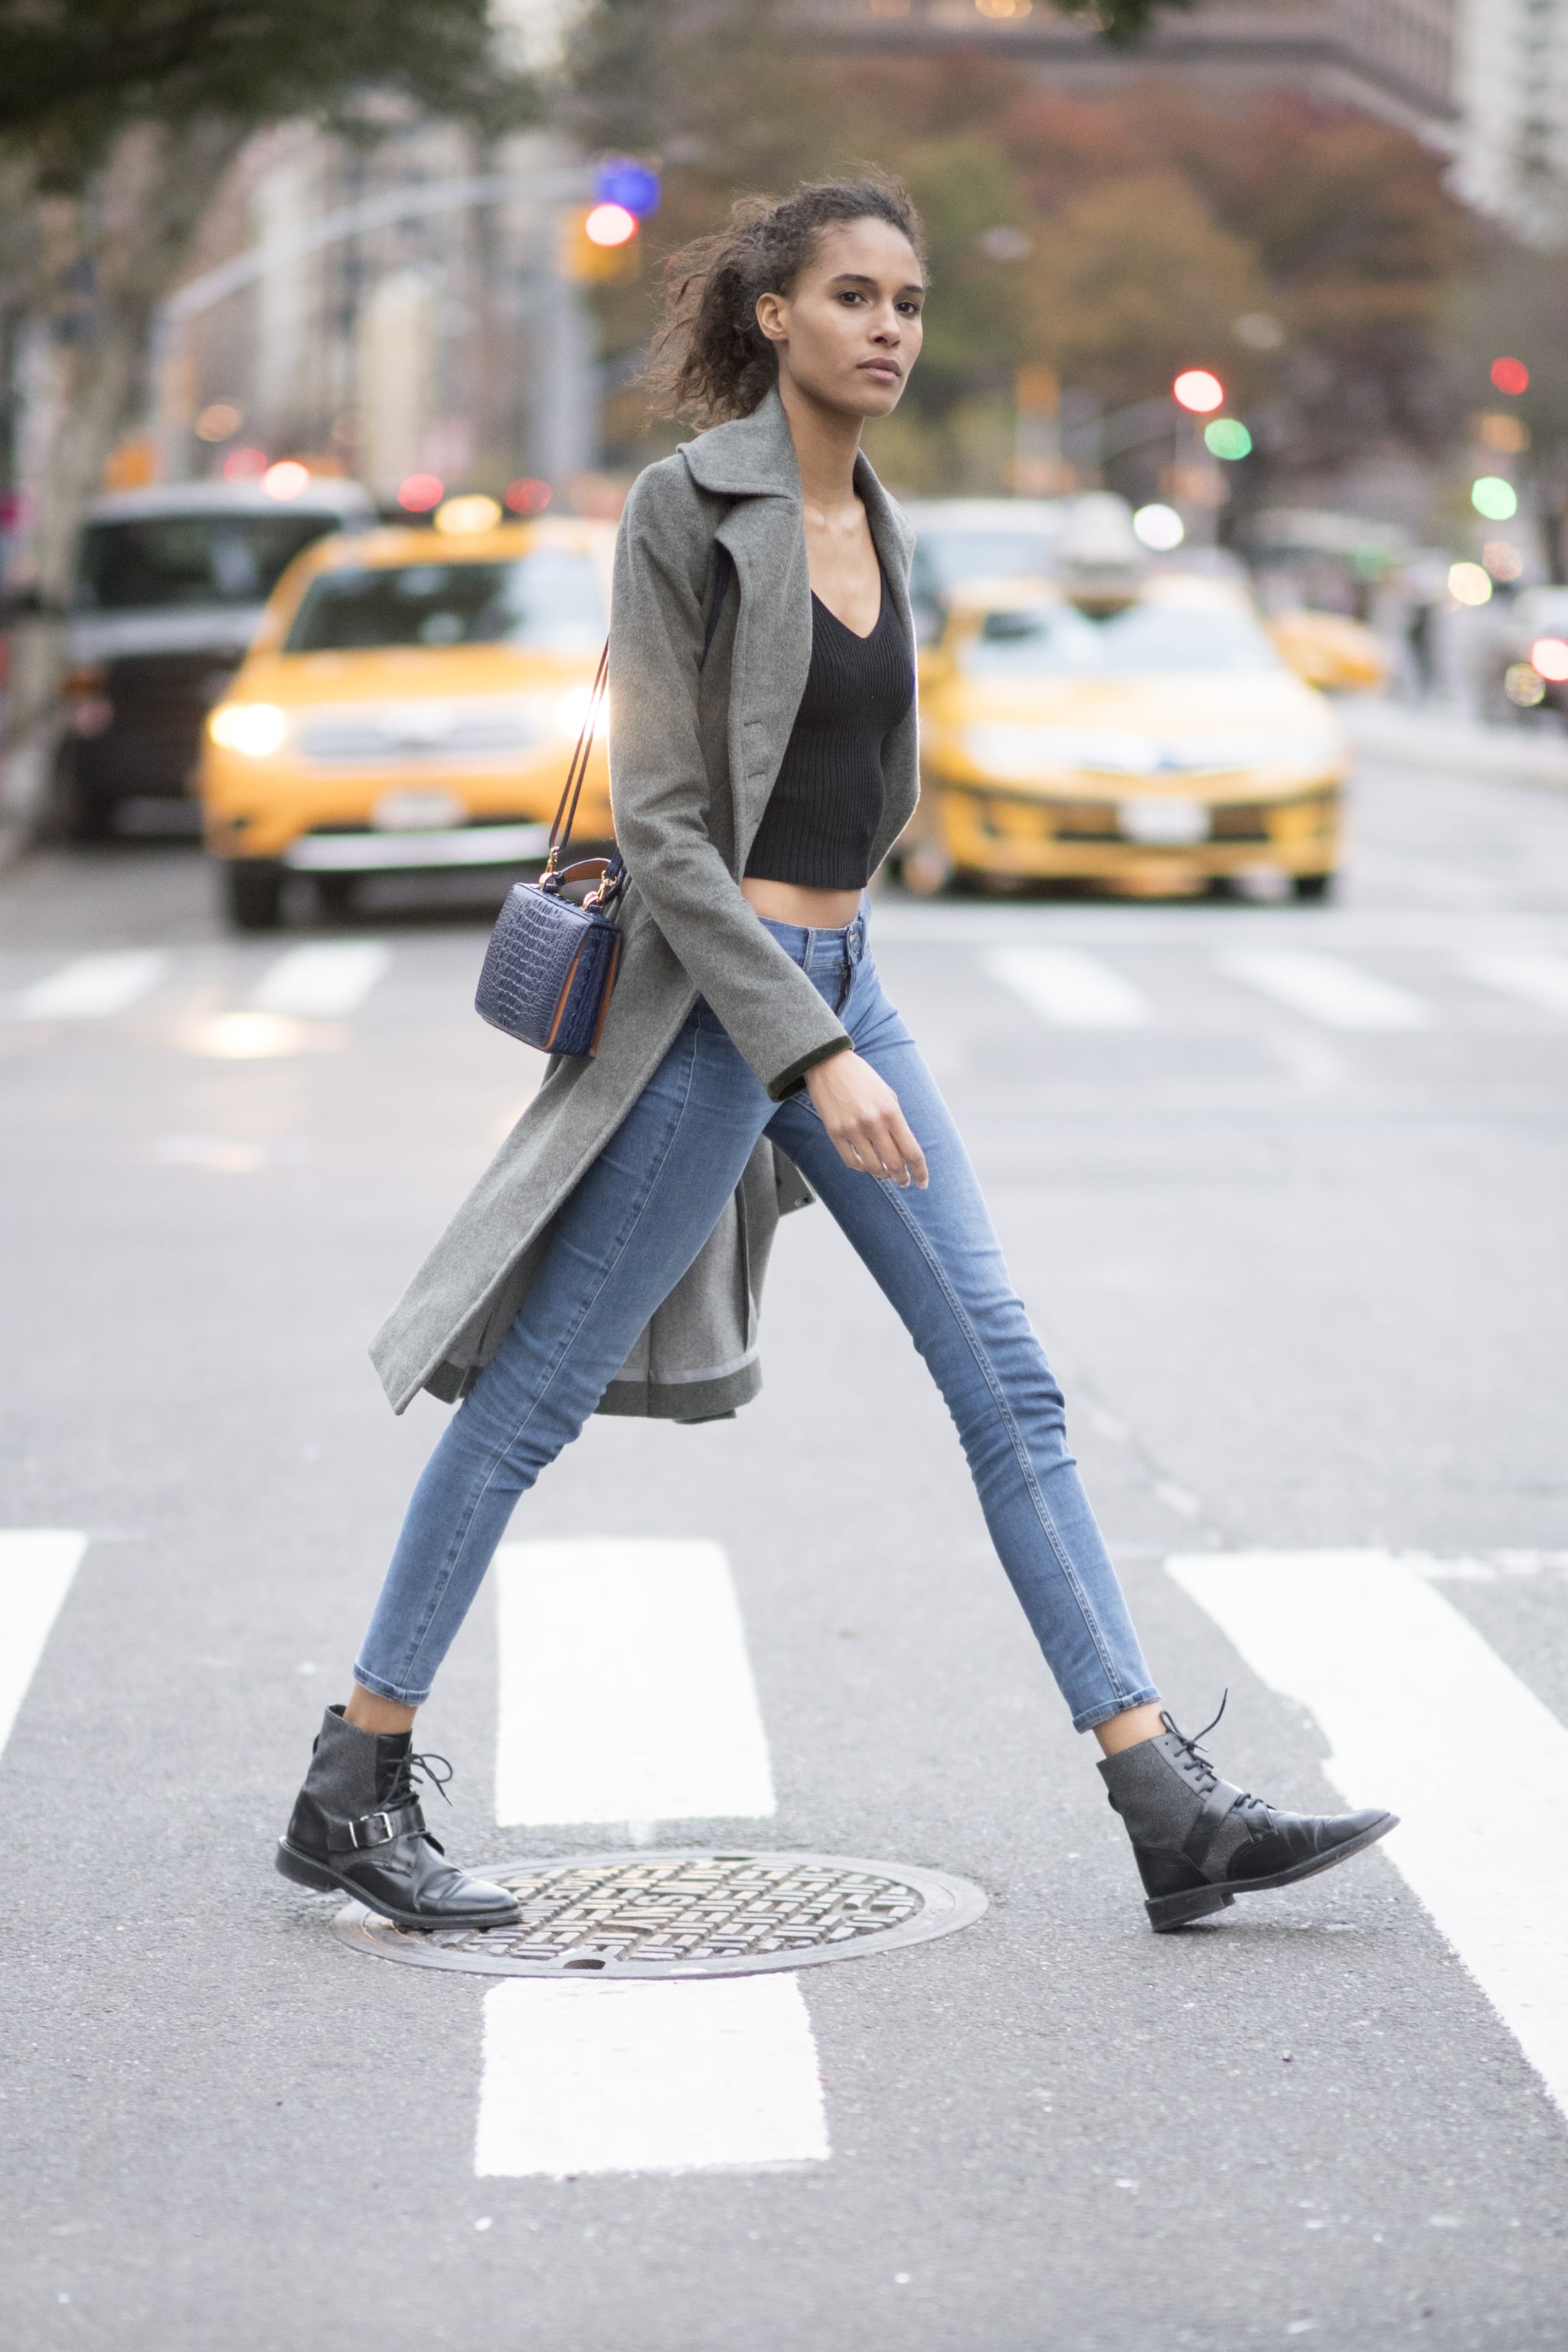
(684, 1914)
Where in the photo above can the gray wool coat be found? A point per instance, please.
(695, 746)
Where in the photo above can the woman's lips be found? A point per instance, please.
(888, 368)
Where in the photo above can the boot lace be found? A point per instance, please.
(1202, 1763)
(434, 1770)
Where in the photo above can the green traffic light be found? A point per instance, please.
(1494, 498)
(1227, 437)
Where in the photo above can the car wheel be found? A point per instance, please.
(72, 814)
(253, 895)
(1312, 886)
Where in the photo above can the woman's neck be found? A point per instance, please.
(826, 443)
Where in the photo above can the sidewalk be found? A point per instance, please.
(1451, 739)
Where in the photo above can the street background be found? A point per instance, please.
(1281, 1180)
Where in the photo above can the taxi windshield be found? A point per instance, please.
(1061, 641)
(547, 601)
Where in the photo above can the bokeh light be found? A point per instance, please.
(1511, 375)
(286, 479)
(1502, 560)
(244, 465)
(610, 224)
(527, 496)
(1468, 583)
(1196, 389)
(1492, 497)
(465, 515)
(218, 419)
(1550, 656)
(1227, 437)
(1158, 527)
(419, 493)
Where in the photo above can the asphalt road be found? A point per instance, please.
(1299, 1257)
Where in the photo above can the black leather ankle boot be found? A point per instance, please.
(1200, 1842)
(357, 1825)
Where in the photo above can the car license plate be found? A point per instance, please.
(418, 812)
(1169, 823)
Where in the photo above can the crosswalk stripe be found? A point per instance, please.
(1325, 988)
(626, 1690)
(651, 2077)
(37, 1565)
(322, 983)
(1422, 1715)
(1068, 988)
(93, 986)
(1532, 974)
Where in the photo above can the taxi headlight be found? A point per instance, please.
(254, 728)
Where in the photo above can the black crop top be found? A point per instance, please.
(819, 825)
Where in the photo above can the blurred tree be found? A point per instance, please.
(1134, 281)
(117, 120)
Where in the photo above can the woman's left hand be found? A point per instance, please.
(860, 1112)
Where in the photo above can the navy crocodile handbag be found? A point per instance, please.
(550, 963)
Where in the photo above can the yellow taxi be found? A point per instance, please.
(1151, 742)
(410, 704)
(1331, 650)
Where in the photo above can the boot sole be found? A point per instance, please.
(1168, 1911)
(322, 1879)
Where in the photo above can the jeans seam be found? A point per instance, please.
(500, 1453)
(1020, 1451)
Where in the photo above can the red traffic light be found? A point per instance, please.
(1196, 389)
(1511, 375)
(610, 224)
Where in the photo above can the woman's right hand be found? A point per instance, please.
(860, 1112)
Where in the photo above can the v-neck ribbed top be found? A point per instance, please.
(827, 805)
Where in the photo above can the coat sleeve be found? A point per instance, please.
(660, 790)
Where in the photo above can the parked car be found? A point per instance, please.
(173, 583)
(1151, 744)
(1525, 672)
(410, 705)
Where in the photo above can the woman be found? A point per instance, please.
(763, 763)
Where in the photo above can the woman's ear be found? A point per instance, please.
(773, 317)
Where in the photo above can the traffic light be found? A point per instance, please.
(599, 245)
(1196, 390)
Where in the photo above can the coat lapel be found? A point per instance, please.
(751, 461)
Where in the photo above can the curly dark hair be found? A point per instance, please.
(711, 360)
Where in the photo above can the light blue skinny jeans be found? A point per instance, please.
(629, 1231)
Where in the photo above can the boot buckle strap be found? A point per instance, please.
(1198, 1843)
(381, 1829)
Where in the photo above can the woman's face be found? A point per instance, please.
(848, 331)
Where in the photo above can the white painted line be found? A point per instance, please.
(1327, 989)
(1068, 988)
(37, 1565)
(1534, 975)
(625, 1691)
(92, 987)
(324, 982)
(1422, 1715)
(649, 2077)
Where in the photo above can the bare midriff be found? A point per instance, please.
(811, 910)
